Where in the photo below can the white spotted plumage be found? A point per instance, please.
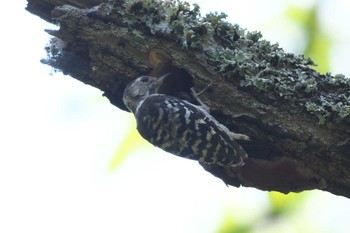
(181, 128)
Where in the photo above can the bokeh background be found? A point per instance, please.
(72, 162)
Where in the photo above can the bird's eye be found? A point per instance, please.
(144, 79)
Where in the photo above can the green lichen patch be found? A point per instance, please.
(175, 20)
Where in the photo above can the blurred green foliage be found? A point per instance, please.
(281, 204)
(317, 42)
(229, 226)
(131, 141)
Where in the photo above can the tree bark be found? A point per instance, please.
(298, 120)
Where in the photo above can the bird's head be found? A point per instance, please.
(139, 89)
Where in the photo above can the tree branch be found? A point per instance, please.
(297, 118)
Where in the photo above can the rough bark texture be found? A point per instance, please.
(298, 119)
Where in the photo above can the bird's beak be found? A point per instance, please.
(160, 81)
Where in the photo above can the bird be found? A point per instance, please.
(180, 127)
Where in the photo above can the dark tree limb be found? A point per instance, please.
(298, 119)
